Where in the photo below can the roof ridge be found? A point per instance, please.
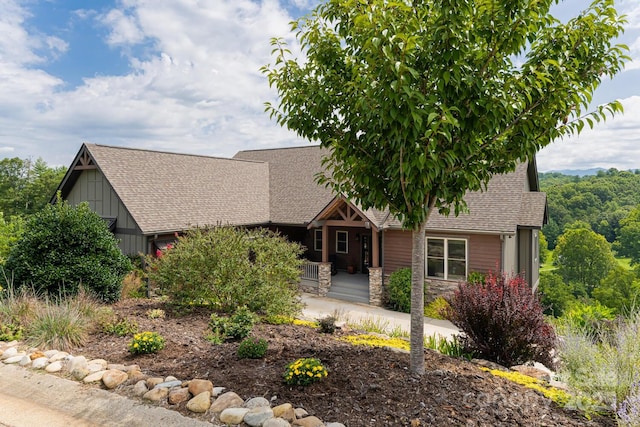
(173, 153)
(279, 148)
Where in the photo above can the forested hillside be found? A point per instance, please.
(602, 200)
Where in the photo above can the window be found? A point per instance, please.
(317, 239)
(342, 239)
(446, 258)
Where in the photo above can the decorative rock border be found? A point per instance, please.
(201, 396)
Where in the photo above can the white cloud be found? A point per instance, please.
(124, 28)
(610, 144)
(6, 149)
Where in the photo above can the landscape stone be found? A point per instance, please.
(78, 362)
(36, 355)
(257, 416)
(533, 372)
(233, 416)
(276, 422)
(300, 413)
(93, 377)
(284, 411)
(257, 402)
(217, 391)
(197, 386)
(59, 356)
(95, 367)
(25, 361)
(156, 394)
(112, 378)
(80, 373)
(54, 367)
(140, 388)
(130, 368)
(179, 395)
(200, 403)
(154, 381)
(309, 422)
(168, 384)
(335, 425)
(226, 400)
(10, 352)
(170, 378)
(39, 363)
(118, 366)
(136, 375)
(100, 362)
(14, 359)
(50, 353)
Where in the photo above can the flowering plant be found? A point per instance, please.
(146, 342)
(304, 371)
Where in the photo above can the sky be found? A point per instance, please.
(184, 76)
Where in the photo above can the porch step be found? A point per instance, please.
(347, 292)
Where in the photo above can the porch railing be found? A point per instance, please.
(310, 270)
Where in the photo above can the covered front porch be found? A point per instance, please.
(345, 261)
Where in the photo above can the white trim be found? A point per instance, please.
(445, 256)
(346, 242)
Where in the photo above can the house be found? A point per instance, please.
(147, 197)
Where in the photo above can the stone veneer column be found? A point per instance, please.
(375, 286)
(324, 278)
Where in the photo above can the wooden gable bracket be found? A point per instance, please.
(85, 162)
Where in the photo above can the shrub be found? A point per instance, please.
(156, 313)
(476, 277)
(228, 267)
(10, 331)
(628, 411)
(399, 290)
(589, 317)
(502, 321)
(146, 342)
(238, 326)
(120, 327)
(437, 308)
(252, 348)
(601, 366)
(63, 247)
(327, 325)
(304, 372)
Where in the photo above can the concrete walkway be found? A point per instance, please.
(319, 307)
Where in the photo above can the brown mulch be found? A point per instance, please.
(365, 386)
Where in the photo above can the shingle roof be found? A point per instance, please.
(167, 192)
(170, 192)
(505, 205)
(295, 196)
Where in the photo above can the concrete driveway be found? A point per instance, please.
(319, 307)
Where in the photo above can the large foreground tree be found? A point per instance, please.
(420, 101)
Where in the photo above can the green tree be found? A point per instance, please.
(556, 295)
(619, 290)
(63, 247)
(26, 186)
(418, 102)
(544, 248)
(583, 256)
(10, 232)
(628, 242)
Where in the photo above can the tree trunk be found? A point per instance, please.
(417, 301)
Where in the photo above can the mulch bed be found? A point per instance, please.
(365, 386)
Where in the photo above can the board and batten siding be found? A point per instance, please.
(484, 251)
(93, 188)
